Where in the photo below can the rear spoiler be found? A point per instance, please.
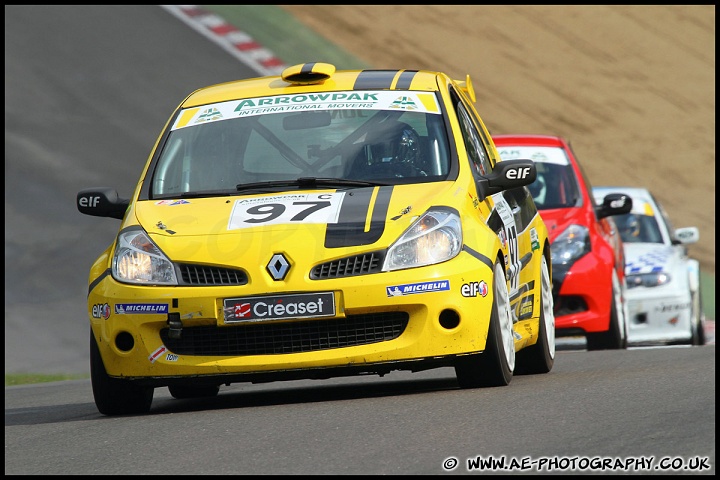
(467, 87)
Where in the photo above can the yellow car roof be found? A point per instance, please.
(322, 77)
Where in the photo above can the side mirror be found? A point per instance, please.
(102, 202)
(614, 204)
(506, 175)
(687, 235)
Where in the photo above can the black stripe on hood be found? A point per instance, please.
(349, 231)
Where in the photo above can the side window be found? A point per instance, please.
(586, 181)
(473, 144)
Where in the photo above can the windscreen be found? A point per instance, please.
(382, 136)
(641, 224)
(556, 185)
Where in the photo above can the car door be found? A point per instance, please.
(513, 213)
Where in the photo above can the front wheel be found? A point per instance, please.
(539, 358)
(697, 320)
(494, 366)
(114, 396)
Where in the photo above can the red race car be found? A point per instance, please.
(587, 251)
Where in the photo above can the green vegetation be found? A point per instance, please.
(285, 36)
(24, 378)
(707, 291)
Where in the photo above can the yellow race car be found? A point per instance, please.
(316, 224)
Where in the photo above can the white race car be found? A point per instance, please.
(663, 282)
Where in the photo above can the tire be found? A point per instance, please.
(615, 338)
(114, 396)
(539, 358)
(494, 366)
(185, 391)
(697, 320)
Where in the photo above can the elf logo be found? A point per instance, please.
(517, 173)
(473, 289)
(101, 311)
(89, 202)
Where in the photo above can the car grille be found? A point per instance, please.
(350, 266)
(287, 337)
(205, 275)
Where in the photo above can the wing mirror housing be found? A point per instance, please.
(102, 202)
(614, 204)
(686, 235)
(506, 175)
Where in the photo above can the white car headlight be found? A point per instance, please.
(434, 237)
(570, 245)
(647, 279)
(138, 260)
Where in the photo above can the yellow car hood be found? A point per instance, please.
(229, 230)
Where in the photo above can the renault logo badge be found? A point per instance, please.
(278, 267)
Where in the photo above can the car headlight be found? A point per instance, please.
(434, 237)
(138, 260)
(570, 245)
(647, 279)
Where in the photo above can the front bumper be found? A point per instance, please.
(180, 332)
(582, 296)
(659, 315)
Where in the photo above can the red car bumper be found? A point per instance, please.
(583, 297)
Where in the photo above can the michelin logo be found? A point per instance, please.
(130, 308)
(412, 288)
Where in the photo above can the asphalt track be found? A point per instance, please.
(79, 114)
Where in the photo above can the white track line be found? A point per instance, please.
(239, 44)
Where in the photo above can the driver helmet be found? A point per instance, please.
(394, 143)
(538, 188)
(631, 227)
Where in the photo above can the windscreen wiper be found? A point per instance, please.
(336, 182)
(202, 194)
